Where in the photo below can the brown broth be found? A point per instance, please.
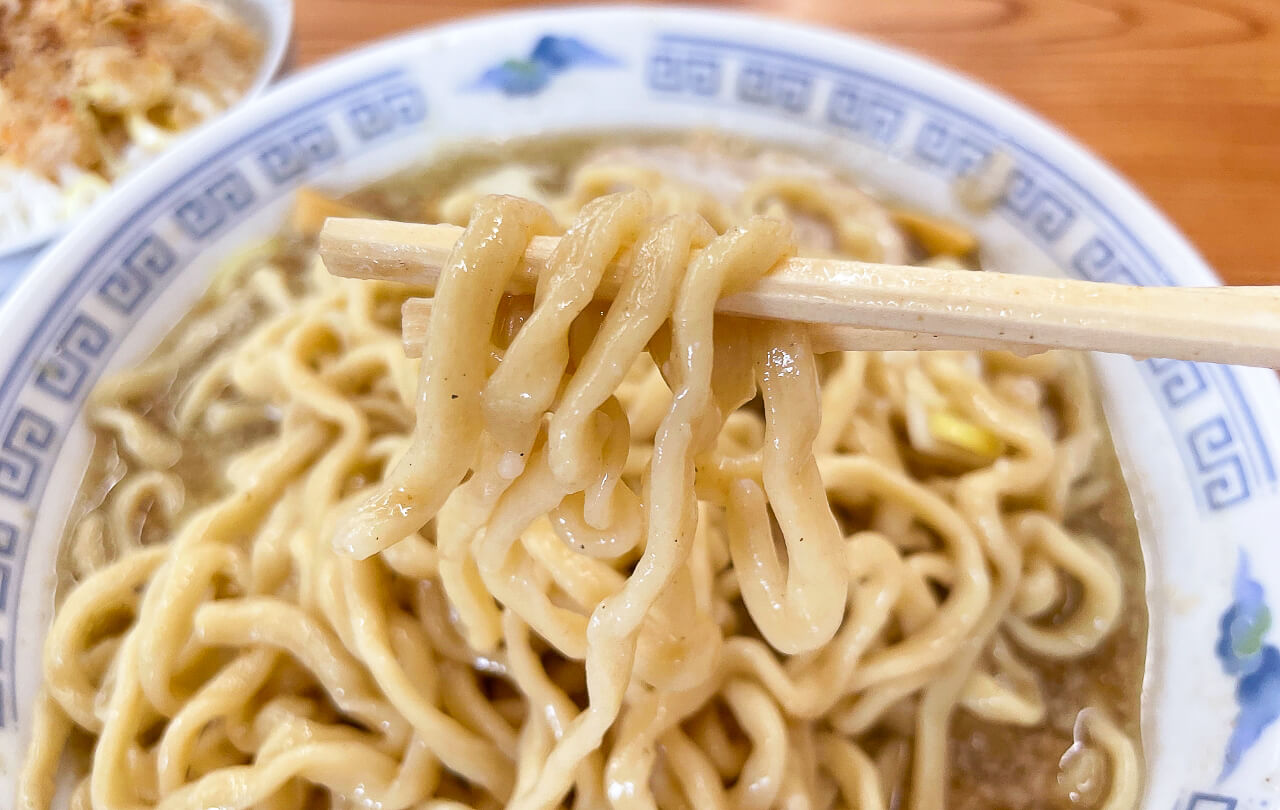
(1000, 767)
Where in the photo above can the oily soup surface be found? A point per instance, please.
(198, 431)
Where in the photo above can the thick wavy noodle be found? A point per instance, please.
(583, 554)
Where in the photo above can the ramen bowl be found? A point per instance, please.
(1200, 444)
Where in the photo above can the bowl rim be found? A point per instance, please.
(1106, 180)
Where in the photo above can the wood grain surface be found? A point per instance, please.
(1182, 96)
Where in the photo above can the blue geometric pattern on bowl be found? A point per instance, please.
(1211, 801)
(1245, 655)
(551, 56)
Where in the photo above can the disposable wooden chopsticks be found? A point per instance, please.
(858, 305)
(416, 315)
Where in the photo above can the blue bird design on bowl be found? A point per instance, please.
(551, 56)
(1245, 656)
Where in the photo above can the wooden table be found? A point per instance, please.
(1182, 96)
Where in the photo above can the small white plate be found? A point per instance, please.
(272, 21)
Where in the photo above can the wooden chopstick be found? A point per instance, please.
(415, 318)
(1209, 324)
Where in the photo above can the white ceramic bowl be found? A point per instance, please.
(272, 20)
(1200, 443)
